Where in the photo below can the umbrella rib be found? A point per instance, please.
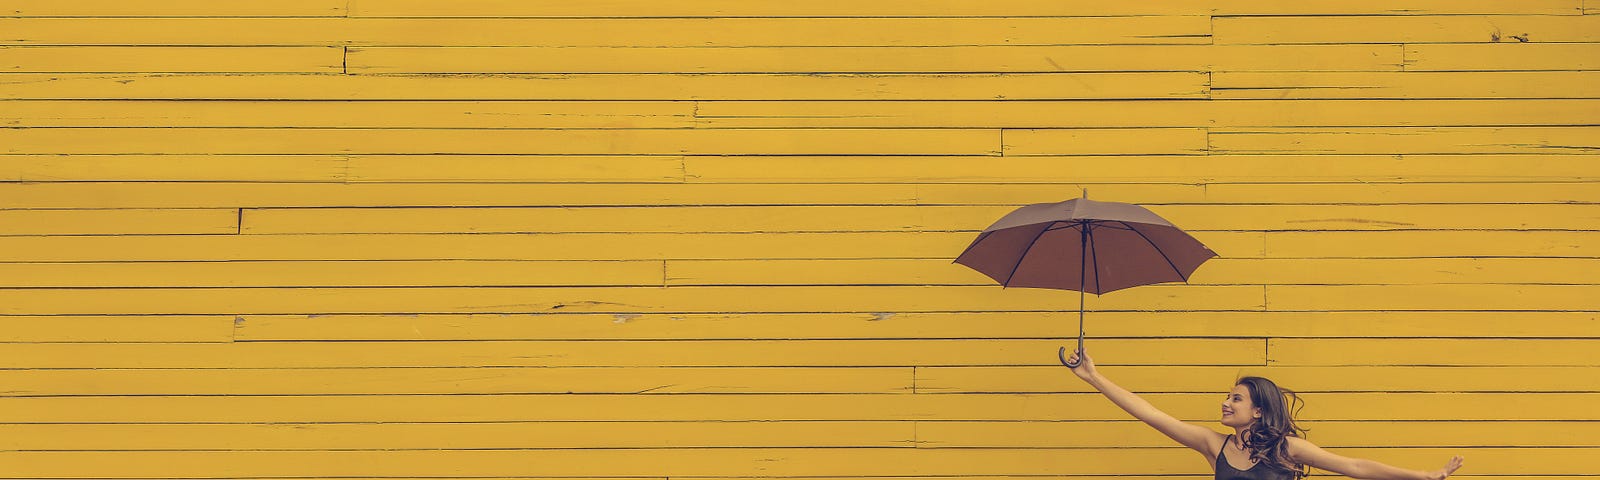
(1093, 257)
(1024, 255)
(1158, 250)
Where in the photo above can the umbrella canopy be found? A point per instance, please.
(1084, 245)
(1044, 245)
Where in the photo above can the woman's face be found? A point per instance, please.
(1237, 409)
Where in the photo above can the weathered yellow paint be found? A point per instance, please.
(923, 434)
(628, 239)
(1059, 324)
(612, 32)
(313, 141)
(1475, 243)
(1407, 29)
(1414, 140)
(410, 381)
(112, 328)
(1148, 114)
(173, 8)
(776, 8)
(1529, 56)
(1192, 407)
(1326, 434)
(1166, 141)
(1373, 379)
(631, 353)
(717, 114)
(1430, 297)
(332, 274)
(725, 462)
(519, 435)
(348, 114)
(975, 59)
(623, 300)
(1224, 271)
(643, 86)
(173, 168)
(97, 59)
(118, 221)
(1287, 351)
(1410, 84)
(1146, 169)
(900, 218)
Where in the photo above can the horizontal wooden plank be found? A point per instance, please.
(1262, 193)
(826, 218)
(901, 8)
(1408, 29)
(1148, 114)
(901, 325)
(860, 245)
(1164, 141)
(407, 381)
(167, 329)
(621, 300)
(1410, 84)
(943, 114)
(174, 8)
(1140, 169)
(635, 353)
(1222, 271)
(720, 462)
(81, 195)
(119, 221)
(1432, 297)
(479, 246)
(336, 114)
(244, 168)
(1480, 243)
(612, 32)
(1290, 351)
(1373, 379)
(642, 86)
(333, 274)
(789, 434)
(452, 436)
(1193, 407)
(337, 168)
(1575, 192)
(298, 141)
(1403, 140)
(974, 59)
(96, 59)
(1520, 56)
(937, 434)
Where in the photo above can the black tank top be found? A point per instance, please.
(1259, 471)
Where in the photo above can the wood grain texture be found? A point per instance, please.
(712, 239)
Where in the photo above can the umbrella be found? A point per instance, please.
(1084, 245)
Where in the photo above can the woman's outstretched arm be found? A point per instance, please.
(1199, 438)
(1310, 454)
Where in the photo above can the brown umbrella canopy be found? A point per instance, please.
(1044, 246)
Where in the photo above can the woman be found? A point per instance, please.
(1265, 445)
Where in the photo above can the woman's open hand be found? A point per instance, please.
(1449, 468)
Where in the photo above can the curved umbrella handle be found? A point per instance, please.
(1062, 354)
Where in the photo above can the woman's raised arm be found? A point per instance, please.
(1201, 439)
(1310, 454)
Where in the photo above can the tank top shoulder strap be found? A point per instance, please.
(1225, 441)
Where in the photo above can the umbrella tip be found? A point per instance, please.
(1085, 193)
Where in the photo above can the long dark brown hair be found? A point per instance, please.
(1267, 438)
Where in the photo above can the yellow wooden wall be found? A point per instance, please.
(712, 238)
